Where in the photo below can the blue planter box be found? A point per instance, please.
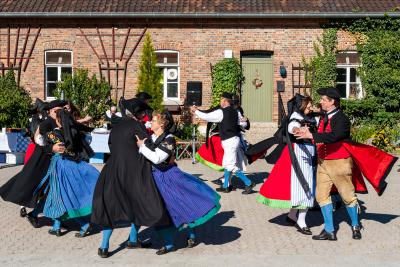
(97, 158)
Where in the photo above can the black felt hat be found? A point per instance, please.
(332, 92)
(144, 96)
(227, 95)
(55, 103)
(134, 105)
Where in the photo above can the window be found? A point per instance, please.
(168, 62)
(57, 63)
(348, 82)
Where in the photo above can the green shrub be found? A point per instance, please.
(226, 77)
(15, 103)
(88, 94)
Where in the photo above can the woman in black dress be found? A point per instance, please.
(126, 191)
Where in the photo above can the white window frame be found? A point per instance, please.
(59, 66)
(347, 66)
(164, 69)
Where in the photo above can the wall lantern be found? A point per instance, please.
(282, 70)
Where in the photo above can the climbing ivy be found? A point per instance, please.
(226, 77)
(323, 63)
(378, 43)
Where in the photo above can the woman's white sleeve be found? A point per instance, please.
(156, 156)
(294, 124)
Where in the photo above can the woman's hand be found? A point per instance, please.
(140, 142)
(304, 133)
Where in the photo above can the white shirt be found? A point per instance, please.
(214, 116)
(156, 156)
(218, 116)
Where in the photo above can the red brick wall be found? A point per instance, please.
(199, 42)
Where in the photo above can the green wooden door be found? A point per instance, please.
(257, 100)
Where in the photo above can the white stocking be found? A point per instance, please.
(301, 219)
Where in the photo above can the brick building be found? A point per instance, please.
(42, 39)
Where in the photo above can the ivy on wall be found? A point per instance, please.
(226, 77)
(376, 116)
(323, 63)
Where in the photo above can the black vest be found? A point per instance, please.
(229, 127)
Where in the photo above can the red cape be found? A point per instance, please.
(372, 163)
(369, 162)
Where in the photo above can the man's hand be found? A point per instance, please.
(304, 133)
(140, 142)
(58, 148)
(193, 109)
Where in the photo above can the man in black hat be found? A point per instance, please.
(148, 113)
(20, 188)
(335, 163)
(229, 131)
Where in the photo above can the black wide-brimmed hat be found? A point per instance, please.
(39, 106)
(133, 105)
(144, 96)
(55, 103)
(332, 92)
(227, 95)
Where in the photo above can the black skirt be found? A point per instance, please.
(125, 191)
(20, 188)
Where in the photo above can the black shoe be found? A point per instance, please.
(32, 220)
(356, 232)
(138, 244)
(290, 220)
(224, 190)
(103, 252)
(83, 234)
(324, 235)
(303, 230)
(55, 232)
(191, 243)
(249, 189)
(22, 212)
(164, 250)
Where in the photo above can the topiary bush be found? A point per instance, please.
(150, 75)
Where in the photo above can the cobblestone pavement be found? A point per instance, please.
(244, 233)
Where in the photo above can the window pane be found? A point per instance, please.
(172, 90)
(348, 58)
(52, 74)
(58, 58)
(172, 74)
(167, 58)
(65, 71)
(354, 58)
(353, 74)
(342, 89)
(354, 91)
(341, 58)
(51, 87)
(341, 75)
